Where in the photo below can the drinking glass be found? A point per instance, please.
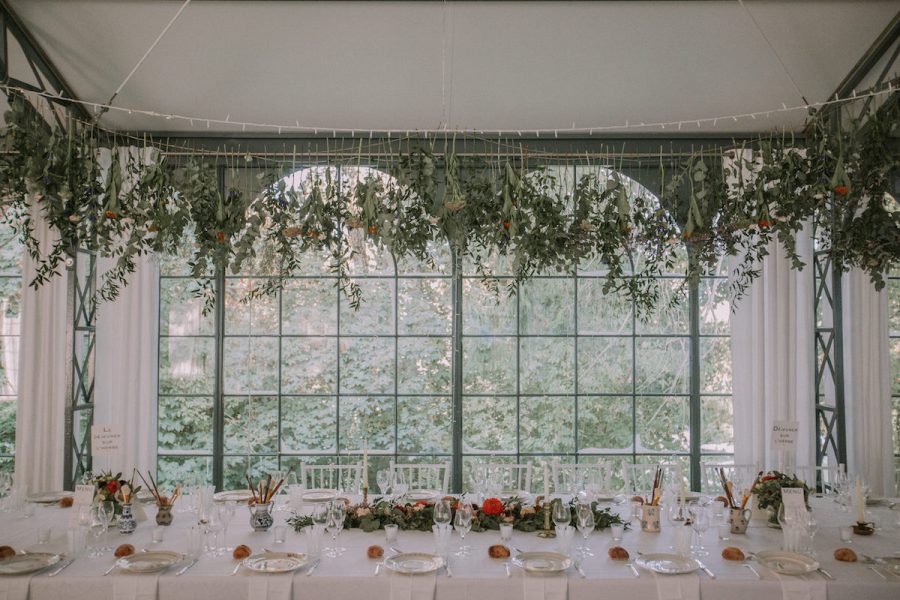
(399, 484)
(334, 525)
(320, 515)
(108, 514)
(506, 530)
(618, 530)
(390, 533)
(812, 528)
(562, 514)
(443, 512)
(585, 517)
(212, 527)
(383, 479)
(699, 523)
(226, 513)
(463, 523)
(846, 534)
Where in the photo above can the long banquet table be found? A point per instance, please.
(476, 577)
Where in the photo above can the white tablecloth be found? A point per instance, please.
(476, 577)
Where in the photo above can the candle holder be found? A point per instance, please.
(365, 501)
(862, 528)
(547, 531)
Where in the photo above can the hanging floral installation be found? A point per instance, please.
(837, 174)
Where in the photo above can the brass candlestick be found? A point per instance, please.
(365, 501)
(546, 532)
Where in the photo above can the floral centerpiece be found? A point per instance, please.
(113, 488)
(768, 491)
(419, 516)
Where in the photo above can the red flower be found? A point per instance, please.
(421, 503)
(764, 223)
(220, 237)
(372, 230)
(110, 214)
(112, 486)
(841, 190)
(492, 506)
(505, 224)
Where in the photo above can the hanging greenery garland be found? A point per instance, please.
(482, 206)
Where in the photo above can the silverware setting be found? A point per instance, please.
(184, 569)
(312, 568)
(109, 570)
(877, 572)
(630, 565)
(447, 568)
(703, 568)
(580, 570)
(237, 568)
(508, 571)
(826, 574)
(754, 571)
(58, 569)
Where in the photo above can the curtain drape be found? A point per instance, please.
(41, 406)
(867, 382)
(772, 353)
(125, 375)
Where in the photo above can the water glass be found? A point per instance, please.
(390, 533)
(280, 533)
(564, 536)
(194, 542)
(618, 530)
(75, 541)
(506, 530)
(158, 534)
(28, 510)
(724, 531)
(441, 539)
(847, 534)
(43, 535)
(313, 540)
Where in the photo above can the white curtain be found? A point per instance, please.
(772, 357)
(867, 382)
(125, 376)
(41, 408)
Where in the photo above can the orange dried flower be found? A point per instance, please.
(842, 190)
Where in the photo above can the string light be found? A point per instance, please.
(590, 130)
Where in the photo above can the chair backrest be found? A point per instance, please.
(504, 477)
(819, 479)
(568, 478)
(742, 476)
(343, 478)
(421, 476)
(639, 477)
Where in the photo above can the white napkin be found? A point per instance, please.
(412, 587)
(677, 587)
(270, 587)
(135, 587)
(800, 588)
(14, 588)
(545, 587)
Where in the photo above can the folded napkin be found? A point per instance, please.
(677, 587)
(800, 588)
(14, 588)
(135, 587)
(545, 587)
(412, 587)
(270, 587)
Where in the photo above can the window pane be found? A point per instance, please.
(546, 307)
(604, 424)
(717, 416)
(366, 417)
(663, 365)
(309, 365)
(180, 313)
(9, 364)
(672, 311)
(604, 365)
(367, 365)
(489, 424)
(237, 467)
(375, 315)
(424, 306)
(258, 316)
(715, 308)
(600, 313)
(309, 307)
(715, 365)
(424, 365)
(251, 364)
(185, 424)
(663, 424)
(486, 313)
(547, 424)
(7, 425)
(489, 365)
(186, 365)
(179, 470)
(424, 425)
(309, 424)
(251, 424)
(547, 366)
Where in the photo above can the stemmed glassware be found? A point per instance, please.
(383, 479)
(699, 523)
(562, 514)
(320, 515)
(463, 523)
(212, 526)
(443, 513)
(334, 525)
(584, 515)
(98, 524)
(108, 515)
(226, 513)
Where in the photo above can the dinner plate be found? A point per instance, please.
(414, 563)
(149, 562)
(22, 564)
(667, 564)
(419, 495)
(49, 497)
(542, 562)
(233, 496)
(786, 563)
(276, 562)
(318, 495)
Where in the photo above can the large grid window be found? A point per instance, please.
(893, 289)
(559, 370)
(10, 305)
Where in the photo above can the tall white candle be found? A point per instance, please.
(546, 483)
(365, 469)
(682, 496)
(860, 504)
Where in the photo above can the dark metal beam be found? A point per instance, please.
(36, 55)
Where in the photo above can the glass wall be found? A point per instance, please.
(10, 305)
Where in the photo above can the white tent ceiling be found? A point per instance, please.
(507, 65)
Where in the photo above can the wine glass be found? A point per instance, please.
(562, 514)
(399, 484)
(109, 514)
(383, 479)
(334, 525)
(212, 527)
(443, 513)
(463, 523)
(226, 513)
(812, 528)
(584, 515)
(98, 525)
(699, 523)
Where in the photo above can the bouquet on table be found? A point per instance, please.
(768, 491)
(113, 488)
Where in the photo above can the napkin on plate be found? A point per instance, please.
(270, 587)
(135, 587)
(14, 588)
(800, 588)
(545, 587)
(412, 587)
(677, 587)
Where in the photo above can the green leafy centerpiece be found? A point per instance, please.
(113, 488)
(768, 492)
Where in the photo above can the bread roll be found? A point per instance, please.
(732, 553)
(498, 551)
(618, 553)
(66, 502)
(124, 550)
(845, 555)
(241, 552)
(375, 552)
(6, 552)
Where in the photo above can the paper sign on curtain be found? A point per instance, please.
(784, 441)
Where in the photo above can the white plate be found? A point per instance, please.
(414, 563)
(22, 564)
(233, 496)
(419, 495)
(786, 563)
(275, 562)
(149, 562)
(49, 497)
(318, 495)
(667, 564)
(542, 562)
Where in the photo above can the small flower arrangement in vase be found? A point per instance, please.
(768, 492)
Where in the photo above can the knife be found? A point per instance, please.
(580, 570)
(184, 569)
(109, 570)
(826, 574)
(312, 568)
(634, 570)
(56, 571)
(237, 568)
(705, 570)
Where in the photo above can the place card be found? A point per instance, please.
(84, 494)
(794, 502)
(784, 435)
